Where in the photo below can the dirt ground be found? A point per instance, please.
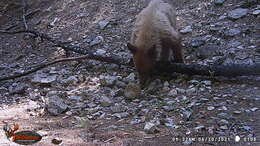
(77, 22)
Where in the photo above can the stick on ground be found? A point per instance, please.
(24, 4)
(41, 66)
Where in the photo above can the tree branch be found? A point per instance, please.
(43, 65)
(68, 47)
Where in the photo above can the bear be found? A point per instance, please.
(154, 38)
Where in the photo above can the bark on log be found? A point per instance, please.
(230, 70)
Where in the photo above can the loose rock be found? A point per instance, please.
(232, 32)
(96, 41)
(224, 115)
(120, 84)
(56, 105)
(132, 91)
(219, 2)
(224, 127)
(256, 12)
(173, 93)
(210, 108)
(207, 83)
(207, 51)
(43, 78)
(168, 108)
(187, 142)
(233, 44)
(150, 128)
(198, 41)
(169, 123)
(108, 80)
(187, 114)
(200, 127)
(223, 122)
(3, 90)
(254, 109)
(190, 91)
(103, 23)
(187, 29)
(130, 77)
(118, 108)
(121, 115)
(74, 98)
(105, 101)
(72, 80)
(247, 128)
(100, 52)
(19, 88)
(181, 91)
(135, 121)
(237, 112)
(237, 13)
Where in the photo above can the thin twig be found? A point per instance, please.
(32, 13)
(10, 27)
(16, 19)
(24, 13)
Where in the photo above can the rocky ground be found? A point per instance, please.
(94, 103)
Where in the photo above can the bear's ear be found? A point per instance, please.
(132, 48)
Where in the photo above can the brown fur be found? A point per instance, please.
(154, 38)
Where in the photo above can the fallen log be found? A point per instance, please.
(229, 70)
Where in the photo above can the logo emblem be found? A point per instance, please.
(21, 137)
